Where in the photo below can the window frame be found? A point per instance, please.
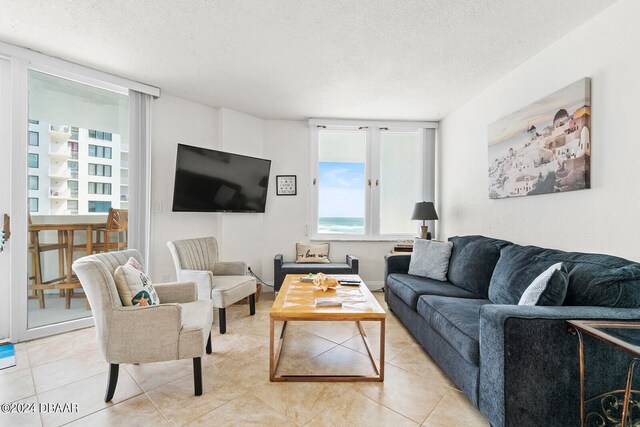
(35, 156)
(37, 181)
(37, 134)
(372, 172)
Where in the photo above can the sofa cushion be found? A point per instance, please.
(457, 320)
(302, 268)
(430, 259)
(549, 288)
(409, 288)
(515, 271)
(473, 259)
(594, 279)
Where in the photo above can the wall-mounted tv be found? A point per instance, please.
(217, 181)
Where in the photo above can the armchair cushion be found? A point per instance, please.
(202, 278)
(228, 290)
(134, 287)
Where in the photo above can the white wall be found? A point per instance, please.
(254, 238)
(604, 218)
(176, 120)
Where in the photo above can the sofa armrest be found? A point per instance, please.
(202, 278)
(529, 355)
(278, 278)
(354, 263)
(178, 292)
(144, 334)
(230, 268)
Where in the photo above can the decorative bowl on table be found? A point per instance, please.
(325, 282)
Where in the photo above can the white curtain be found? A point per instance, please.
(140, 173)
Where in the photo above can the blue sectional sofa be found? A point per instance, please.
(517, 364)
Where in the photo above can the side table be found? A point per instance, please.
(624, 336)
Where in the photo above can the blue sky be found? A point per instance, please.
(341, 186)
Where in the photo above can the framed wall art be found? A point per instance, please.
(544, 147)
(286, 185)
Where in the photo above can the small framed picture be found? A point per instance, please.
(286, 185)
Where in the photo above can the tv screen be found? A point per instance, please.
(216, 181)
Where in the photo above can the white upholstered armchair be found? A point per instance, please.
(224, 283)
(178, 328)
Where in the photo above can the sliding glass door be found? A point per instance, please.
(5, 208)
(77, 192)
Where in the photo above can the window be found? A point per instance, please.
(99, 188)
(99, 206)
(33, 204)
(72, 205)
(74, 134)
(367, 178)
(99, 151)
(73, 188)
(99, 170)
(34, 138)
(96, 134)
(34, 182)
(34, 122)
(34, 160)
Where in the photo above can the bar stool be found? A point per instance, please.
(117, 224)
(35, 249)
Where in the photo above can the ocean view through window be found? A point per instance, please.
(367, 177)
(341, 182)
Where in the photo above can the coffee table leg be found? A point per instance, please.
(272, 370)
(382, 340)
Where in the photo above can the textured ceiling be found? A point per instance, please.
(291, 59)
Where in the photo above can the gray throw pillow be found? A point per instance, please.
(549, 288)
(430, 259)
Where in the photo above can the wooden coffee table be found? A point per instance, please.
(296, 302)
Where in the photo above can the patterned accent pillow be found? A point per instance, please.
(549, 288)
(315, 254)
(134, 286)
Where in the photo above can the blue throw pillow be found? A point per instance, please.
(549, 288)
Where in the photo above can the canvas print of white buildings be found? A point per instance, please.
(544, 147)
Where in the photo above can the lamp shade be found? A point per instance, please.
(424, 211)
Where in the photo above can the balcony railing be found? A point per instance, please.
(60, 150)
(60, 172)
(74, 154)
(124, 197)
(56, 193)
(60, 128)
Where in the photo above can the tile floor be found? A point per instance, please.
(68, 369)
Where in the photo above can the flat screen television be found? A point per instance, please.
(217, 181)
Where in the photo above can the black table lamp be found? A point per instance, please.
(424, 211)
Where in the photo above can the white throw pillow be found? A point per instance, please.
(312, 253)
(134, 287)
(430, 259)
(549, 288)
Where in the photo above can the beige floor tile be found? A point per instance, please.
(415, 360)
(356, 410)
(301, 347)
(70, 369)
(26, 415)
(22, 361)
(337, 332)
(455, 409)
(337, 361)
(88, 394)
(235, 413)
(299, 401)
(61, 346)
(152, 375)
(236, 343)
(406, 393)
(137, 411)
(222, 382)
(396, 341)
(16, 385)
